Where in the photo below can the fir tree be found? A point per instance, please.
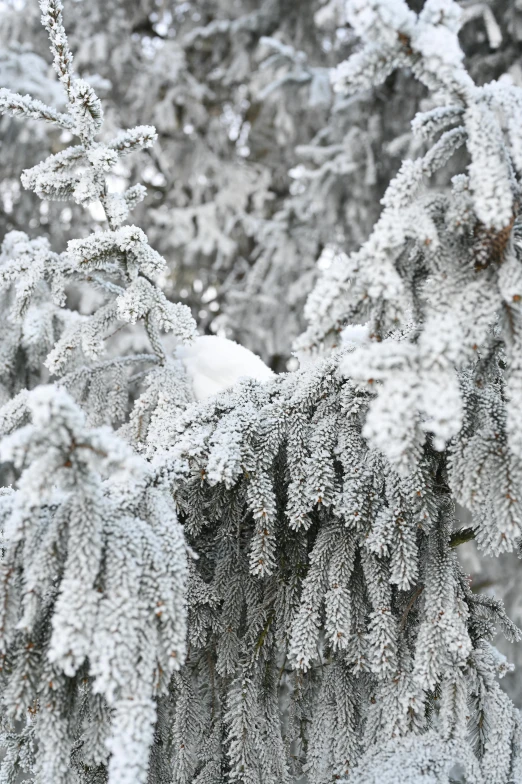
(94, 569)
(326, 628)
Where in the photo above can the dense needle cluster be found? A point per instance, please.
(265, 586)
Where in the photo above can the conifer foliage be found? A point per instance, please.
(94, 567)
(264, 586)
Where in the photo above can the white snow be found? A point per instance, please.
(355, 335)
(215, 363)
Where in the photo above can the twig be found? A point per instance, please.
(412, 601)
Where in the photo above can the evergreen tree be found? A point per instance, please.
(324, 627)
(94, 567)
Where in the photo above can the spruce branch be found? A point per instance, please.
(25, 106)
(52, 20)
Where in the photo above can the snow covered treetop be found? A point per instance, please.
(118, 261)
(439, 280)
(486, 119)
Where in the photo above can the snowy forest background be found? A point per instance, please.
(266, 174)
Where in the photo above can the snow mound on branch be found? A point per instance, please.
(213, 364)
(355, 335)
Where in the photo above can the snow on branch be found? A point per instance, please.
(25, 106)
(103, 570)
